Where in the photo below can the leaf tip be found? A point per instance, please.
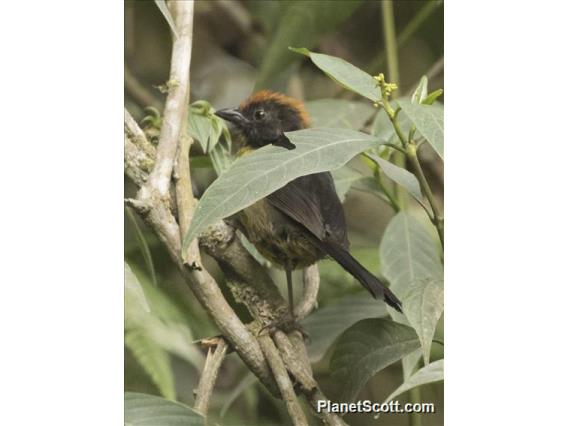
(300, 50)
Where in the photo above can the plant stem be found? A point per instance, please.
(410, 149)
(438, 219)
(383, 187)
(406, 33)
(390, 40)
(414, 397)
(389, 32)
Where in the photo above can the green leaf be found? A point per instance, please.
(368, 184)
(301, 22)
(143, 245)
(339, 113)
(365, 349)
(429, 120)
(153, 359)
(166, 12)
(347, 75)
(221, 158)
(423, 305)
(411, 262)
(399, 175)
(205, 126)
(150, 312)
(421, 91)
(326, 324)
(343, 179)
(256, 175)
(149, 410)
(409, 362)
(133, 293)
(432, 97)
(431, 373)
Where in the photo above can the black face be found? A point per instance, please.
(264, 123)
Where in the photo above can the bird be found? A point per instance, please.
(302, 222)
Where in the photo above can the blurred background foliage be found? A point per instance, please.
(238, 47)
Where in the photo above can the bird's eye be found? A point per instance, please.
(259, 114)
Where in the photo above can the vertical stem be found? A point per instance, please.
(209, 376)
(389, 33)
(414, 397)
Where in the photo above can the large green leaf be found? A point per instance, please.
(256, 175)
(153, 359)
(339, 113)
(326, 324)
(149, 410)
(143, 245)
(409, 362)
(365, 349)
(301, 22)
(429, 120)
(344, 73)
(399, 175)
(431, 373)
(423, 305)
(411, 262)
(149, 312)
(135, 299)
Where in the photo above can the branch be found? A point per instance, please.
(175, 110)
(283, 380)
(209, 376)
(309, 298)
(249, 282)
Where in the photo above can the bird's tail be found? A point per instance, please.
(368, 280)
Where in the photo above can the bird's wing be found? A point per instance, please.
(312, 201)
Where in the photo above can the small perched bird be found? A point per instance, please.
(303, 221)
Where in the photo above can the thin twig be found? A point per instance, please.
(209, 376)
(283, 380)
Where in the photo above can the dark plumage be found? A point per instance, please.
(303, 221)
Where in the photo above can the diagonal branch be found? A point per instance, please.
(283, 381)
